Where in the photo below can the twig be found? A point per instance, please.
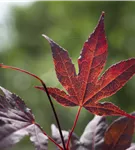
(50, 100)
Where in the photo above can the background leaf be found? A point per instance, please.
(131, 148)
(17, 121)
(93, 135)
(119, 134)
(56, 135)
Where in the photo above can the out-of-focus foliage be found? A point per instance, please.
(69, 24)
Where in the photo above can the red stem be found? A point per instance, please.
(49, 137)
(74, 125)
(129, 116)
(21, 70)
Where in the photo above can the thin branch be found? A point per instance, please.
(56, 117)
(50, 100)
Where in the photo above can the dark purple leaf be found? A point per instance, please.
(37, 137)
(92, 137)
(56, 135)
(132, 147)
(17, 121)
(119, 134)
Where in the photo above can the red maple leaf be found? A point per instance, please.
(86, 88)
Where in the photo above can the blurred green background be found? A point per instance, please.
(69, 24)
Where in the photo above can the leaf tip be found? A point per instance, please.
(1, 65)
(53, 127)
(47, 38)
(102, 16)
(38, 87)
(103, 13)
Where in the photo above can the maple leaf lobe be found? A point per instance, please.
(113, 80)
(92, 59)
(105, 109)
(64, 68)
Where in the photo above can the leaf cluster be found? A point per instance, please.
(84, 89)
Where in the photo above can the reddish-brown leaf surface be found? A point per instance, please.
(119, 134)
(85, 89)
